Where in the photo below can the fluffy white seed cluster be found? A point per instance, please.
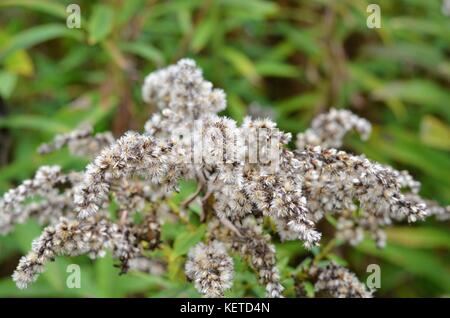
(245, 174)
(307, 184)
(13, 208)
(441, 213)
(210, 268)
(182, 95)
(49, 209)
(69, 237)
(131, 154)
(92, 236)
(352, 227)
(335, 180)
(329, 129)
(81, 142)
(131, 195)
(354, 223)
(255, 246)
(338, 282)
(189, 104)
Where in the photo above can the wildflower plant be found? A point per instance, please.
(253, 189)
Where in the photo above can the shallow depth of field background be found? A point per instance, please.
(294, 59)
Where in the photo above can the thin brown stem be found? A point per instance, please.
(325, 251)
(230, 226)
(192, 197)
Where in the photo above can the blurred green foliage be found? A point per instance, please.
(294, 58)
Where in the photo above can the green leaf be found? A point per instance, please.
(309, 288)
(100, 23)
(184, 18)
(187, 187)
(304, 40)
(417, 92)
(7, 84)
(36, 35)
(19, 63)
(138, 282)
(299, 102)
(250, 8)
(289, 249)
(277, 69)
(415, 24)
(236, 107)
(204, 31)
(435, 133)
(416, 262)
(409, 53)
(40, 288)
(25, 233)
(337, 259)
(97, 111)
(186, 240)
(55, 274)
(8, 246)
(242, 64)
(419, 237)
(129, 9)
(145, 51)
(175, 267)
(34, 122)
(49, 7)
(368, 82)
(106, 276)
(170, 230)
(166, 8)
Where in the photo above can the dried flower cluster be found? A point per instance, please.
(15, 208)
(81, 142)
(328, 130)
(211, 269)
(333, 180)
(246, 175)
(92, 236)
(338, 282)
(255, 246)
